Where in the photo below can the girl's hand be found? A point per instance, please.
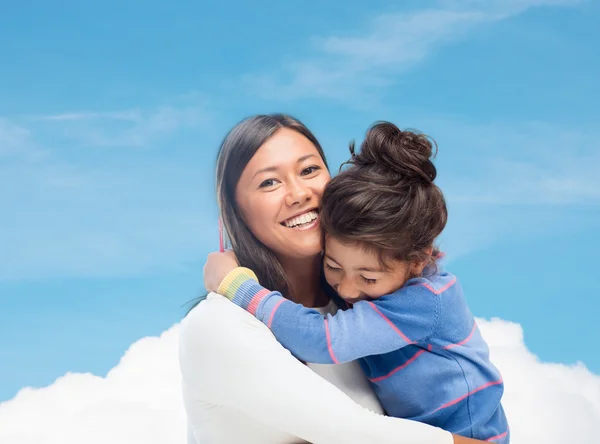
(217, 266)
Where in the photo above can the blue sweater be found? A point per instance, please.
(420, 347)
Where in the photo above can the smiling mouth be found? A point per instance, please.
(303, 220)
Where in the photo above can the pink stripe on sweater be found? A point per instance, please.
(410, 361)
(329, 347)
(497, 437)
(478, 389)
(441, 290)
(464, 341)
(273, 312)
(253, 305)
(390, 323)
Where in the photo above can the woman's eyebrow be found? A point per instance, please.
(264, 170)
(276, 167)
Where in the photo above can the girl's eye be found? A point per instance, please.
(330, 268)
(310, 170)
(369, 281)
(267, 183)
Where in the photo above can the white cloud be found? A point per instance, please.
(130, 128)
(139, 401)
(516, 181)
(145, 216)
(532, 163)
(128, 115)
(96, 212)
(545, 403)
(16, 141)
(348, 66)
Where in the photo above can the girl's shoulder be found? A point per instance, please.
(437, 283)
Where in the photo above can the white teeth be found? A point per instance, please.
(302, 219)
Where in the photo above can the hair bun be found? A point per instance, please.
(388, 149)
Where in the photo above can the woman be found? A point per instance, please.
(239, 383)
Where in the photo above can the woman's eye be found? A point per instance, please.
(369, 281)
(310, 170)
(267, 183)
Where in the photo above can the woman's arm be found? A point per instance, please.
(229, 358)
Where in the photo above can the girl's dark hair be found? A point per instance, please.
(387, 200)
(238, 147)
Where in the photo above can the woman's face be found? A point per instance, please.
(279, 193)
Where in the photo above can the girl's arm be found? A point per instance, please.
(370, 328)
(229, 358)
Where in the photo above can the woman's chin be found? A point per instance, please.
(298, 242)
(302, 248)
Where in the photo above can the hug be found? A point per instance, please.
(331, 319)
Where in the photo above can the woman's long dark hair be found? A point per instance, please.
(237, 148)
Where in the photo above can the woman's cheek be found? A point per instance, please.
(264, 215)
(265, 206)
(321, 184)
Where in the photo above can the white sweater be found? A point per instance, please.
(241, 386)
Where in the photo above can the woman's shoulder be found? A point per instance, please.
(216, 325)
(212, 314)
(215, 338)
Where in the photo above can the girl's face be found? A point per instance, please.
(356, 273)
(279, 193)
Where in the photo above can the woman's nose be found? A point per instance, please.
(298, 193)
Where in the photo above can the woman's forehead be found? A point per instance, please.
(285, 148)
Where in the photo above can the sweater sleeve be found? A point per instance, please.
(376, 327)
(229, 359)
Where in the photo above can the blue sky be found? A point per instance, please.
(111, 115)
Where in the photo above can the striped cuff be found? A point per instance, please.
(230, 284)
(240, 286)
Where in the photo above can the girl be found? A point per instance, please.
(407, 320)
